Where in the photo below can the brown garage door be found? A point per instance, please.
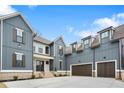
(82, 70)
(106, 69)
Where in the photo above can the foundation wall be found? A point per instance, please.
(11, 75)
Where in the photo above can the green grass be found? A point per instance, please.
(2, 85)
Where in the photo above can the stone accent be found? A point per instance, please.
(43, 74)
(11, 75)
(93, 74)
(122, 75)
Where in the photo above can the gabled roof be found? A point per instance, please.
(42, 40)
(3, 17)
(96, 42)
(119, 32)
(106, 29)
(60, 37)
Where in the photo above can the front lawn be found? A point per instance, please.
(2, 85)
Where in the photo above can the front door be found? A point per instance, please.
(39, 65)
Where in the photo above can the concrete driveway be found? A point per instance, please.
(67, 82)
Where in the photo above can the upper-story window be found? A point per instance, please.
(34, 48)
(40, 50)
(47, 50)
(19, 35)
(105, 34)
(86, 43)
(60, 50)
(74, 48)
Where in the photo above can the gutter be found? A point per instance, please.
(1, 43)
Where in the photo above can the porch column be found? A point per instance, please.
(34, 65)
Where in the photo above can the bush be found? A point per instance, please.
(33, 77)
(55, 75)
(15, 77)
(60, 75)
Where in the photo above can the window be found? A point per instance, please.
(86, 43)
(40, 50)
(104, 35)
(18, 60)
(60, 65)
(60, 50)
(19, 35)
(33, 48)
(47, 50)
(74, 47)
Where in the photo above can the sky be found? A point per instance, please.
(71, 22)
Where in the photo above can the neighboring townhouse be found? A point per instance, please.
(58, 52)
(48, 55)
(99, 56)
(42, 59)
(16, 40)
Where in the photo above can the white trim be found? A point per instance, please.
(1, 43)
(63, 71)
(106, 62)
(17, 71)
(79, 64)
(18, 53)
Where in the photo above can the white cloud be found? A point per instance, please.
(32, 6)
(99, 24)
(6, 9)
(120, 15)
(69, 29)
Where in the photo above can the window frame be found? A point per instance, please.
(39, 50)
(60, 48)
(19, 35)
(104, 34)
(20, 56)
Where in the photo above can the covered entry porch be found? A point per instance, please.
(42, 63)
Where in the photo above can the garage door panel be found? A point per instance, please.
(106, 69)
(82, 70)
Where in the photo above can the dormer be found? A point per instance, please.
(86, 41)
(74, 47)
(95, 41)
(80, 47)
(105, 34)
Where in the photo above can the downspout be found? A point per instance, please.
(1, 44)
(94, 63)
(120, 58)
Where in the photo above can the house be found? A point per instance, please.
(48, 56)
(42, 58)
(16, 40)
(99, 56)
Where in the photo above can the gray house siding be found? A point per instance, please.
(58, 57)
(106, 51)
(9, 47)
(83, 57)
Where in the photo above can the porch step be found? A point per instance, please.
(43, 74)
(48, 74)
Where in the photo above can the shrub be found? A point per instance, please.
(55, 75)
(33, 77)
(15, 77)
(60, 75)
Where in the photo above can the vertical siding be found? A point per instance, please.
(57, 57)
(106, 51)
(10, 47)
